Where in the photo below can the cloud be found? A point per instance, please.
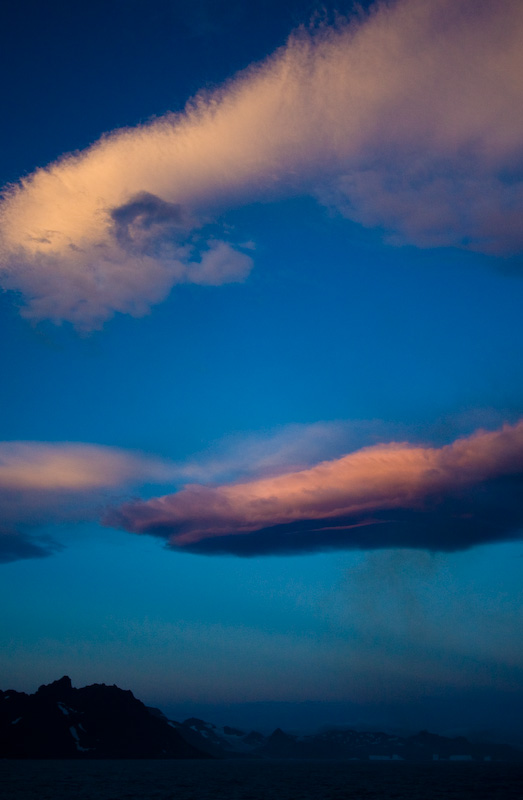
(282, 449)
(385, 496)
(142, 216)
(57, 482)
(68, 466)
(16, 546)
(409, 119)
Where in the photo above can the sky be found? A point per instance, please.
(261, 430)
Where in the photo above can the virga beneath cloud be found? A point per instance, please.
(410, 119)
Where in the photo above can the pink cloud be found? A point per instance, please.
(65, 466)
(44, 482)
(409, 118)
(386, 495)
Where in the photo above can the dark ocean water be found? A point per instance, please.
(256, 780)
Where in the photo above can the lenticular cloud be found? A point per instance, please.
(42, 482)
(409, 119)
(388, 495)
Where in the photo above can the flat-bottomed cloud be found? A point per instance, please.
(385, 496)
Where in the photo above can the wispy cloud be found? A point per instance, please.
(388, 495)
(410, 119)
(279, 450)
(16, 546)
(69, 466)
(57, 482)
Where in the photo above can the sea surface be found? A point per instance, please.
(256, 780)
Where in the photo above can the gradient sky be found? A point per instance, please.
(261, 440)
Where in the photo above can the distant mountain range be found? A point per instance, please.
(100, 721)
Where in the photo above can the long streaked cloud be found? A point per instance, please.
(57, 482)
(410, 119)
(388, 495)
(69, 466)
(289, 447)
(54, 482)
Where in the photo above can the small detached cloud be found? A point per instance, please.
(26, 466)
(57, 482)
(15, 546)
(409, 118)
(385, 496)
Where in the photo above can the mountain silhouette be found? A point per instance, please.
(97, 721)
(100, 721)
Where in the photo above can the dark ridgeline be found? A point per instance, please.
(97, 721)
(343, 744)
(102, 721)
(340, 744)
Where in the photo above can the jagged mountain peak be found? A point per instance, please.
(58, 688)
(97, 721)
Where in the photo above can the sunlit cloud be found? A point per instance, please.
(282, 449)
(387, 495)
(61, 482)
(409, 119)
(72, 466)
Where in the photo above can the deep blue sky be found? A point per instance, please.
(358, 320)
